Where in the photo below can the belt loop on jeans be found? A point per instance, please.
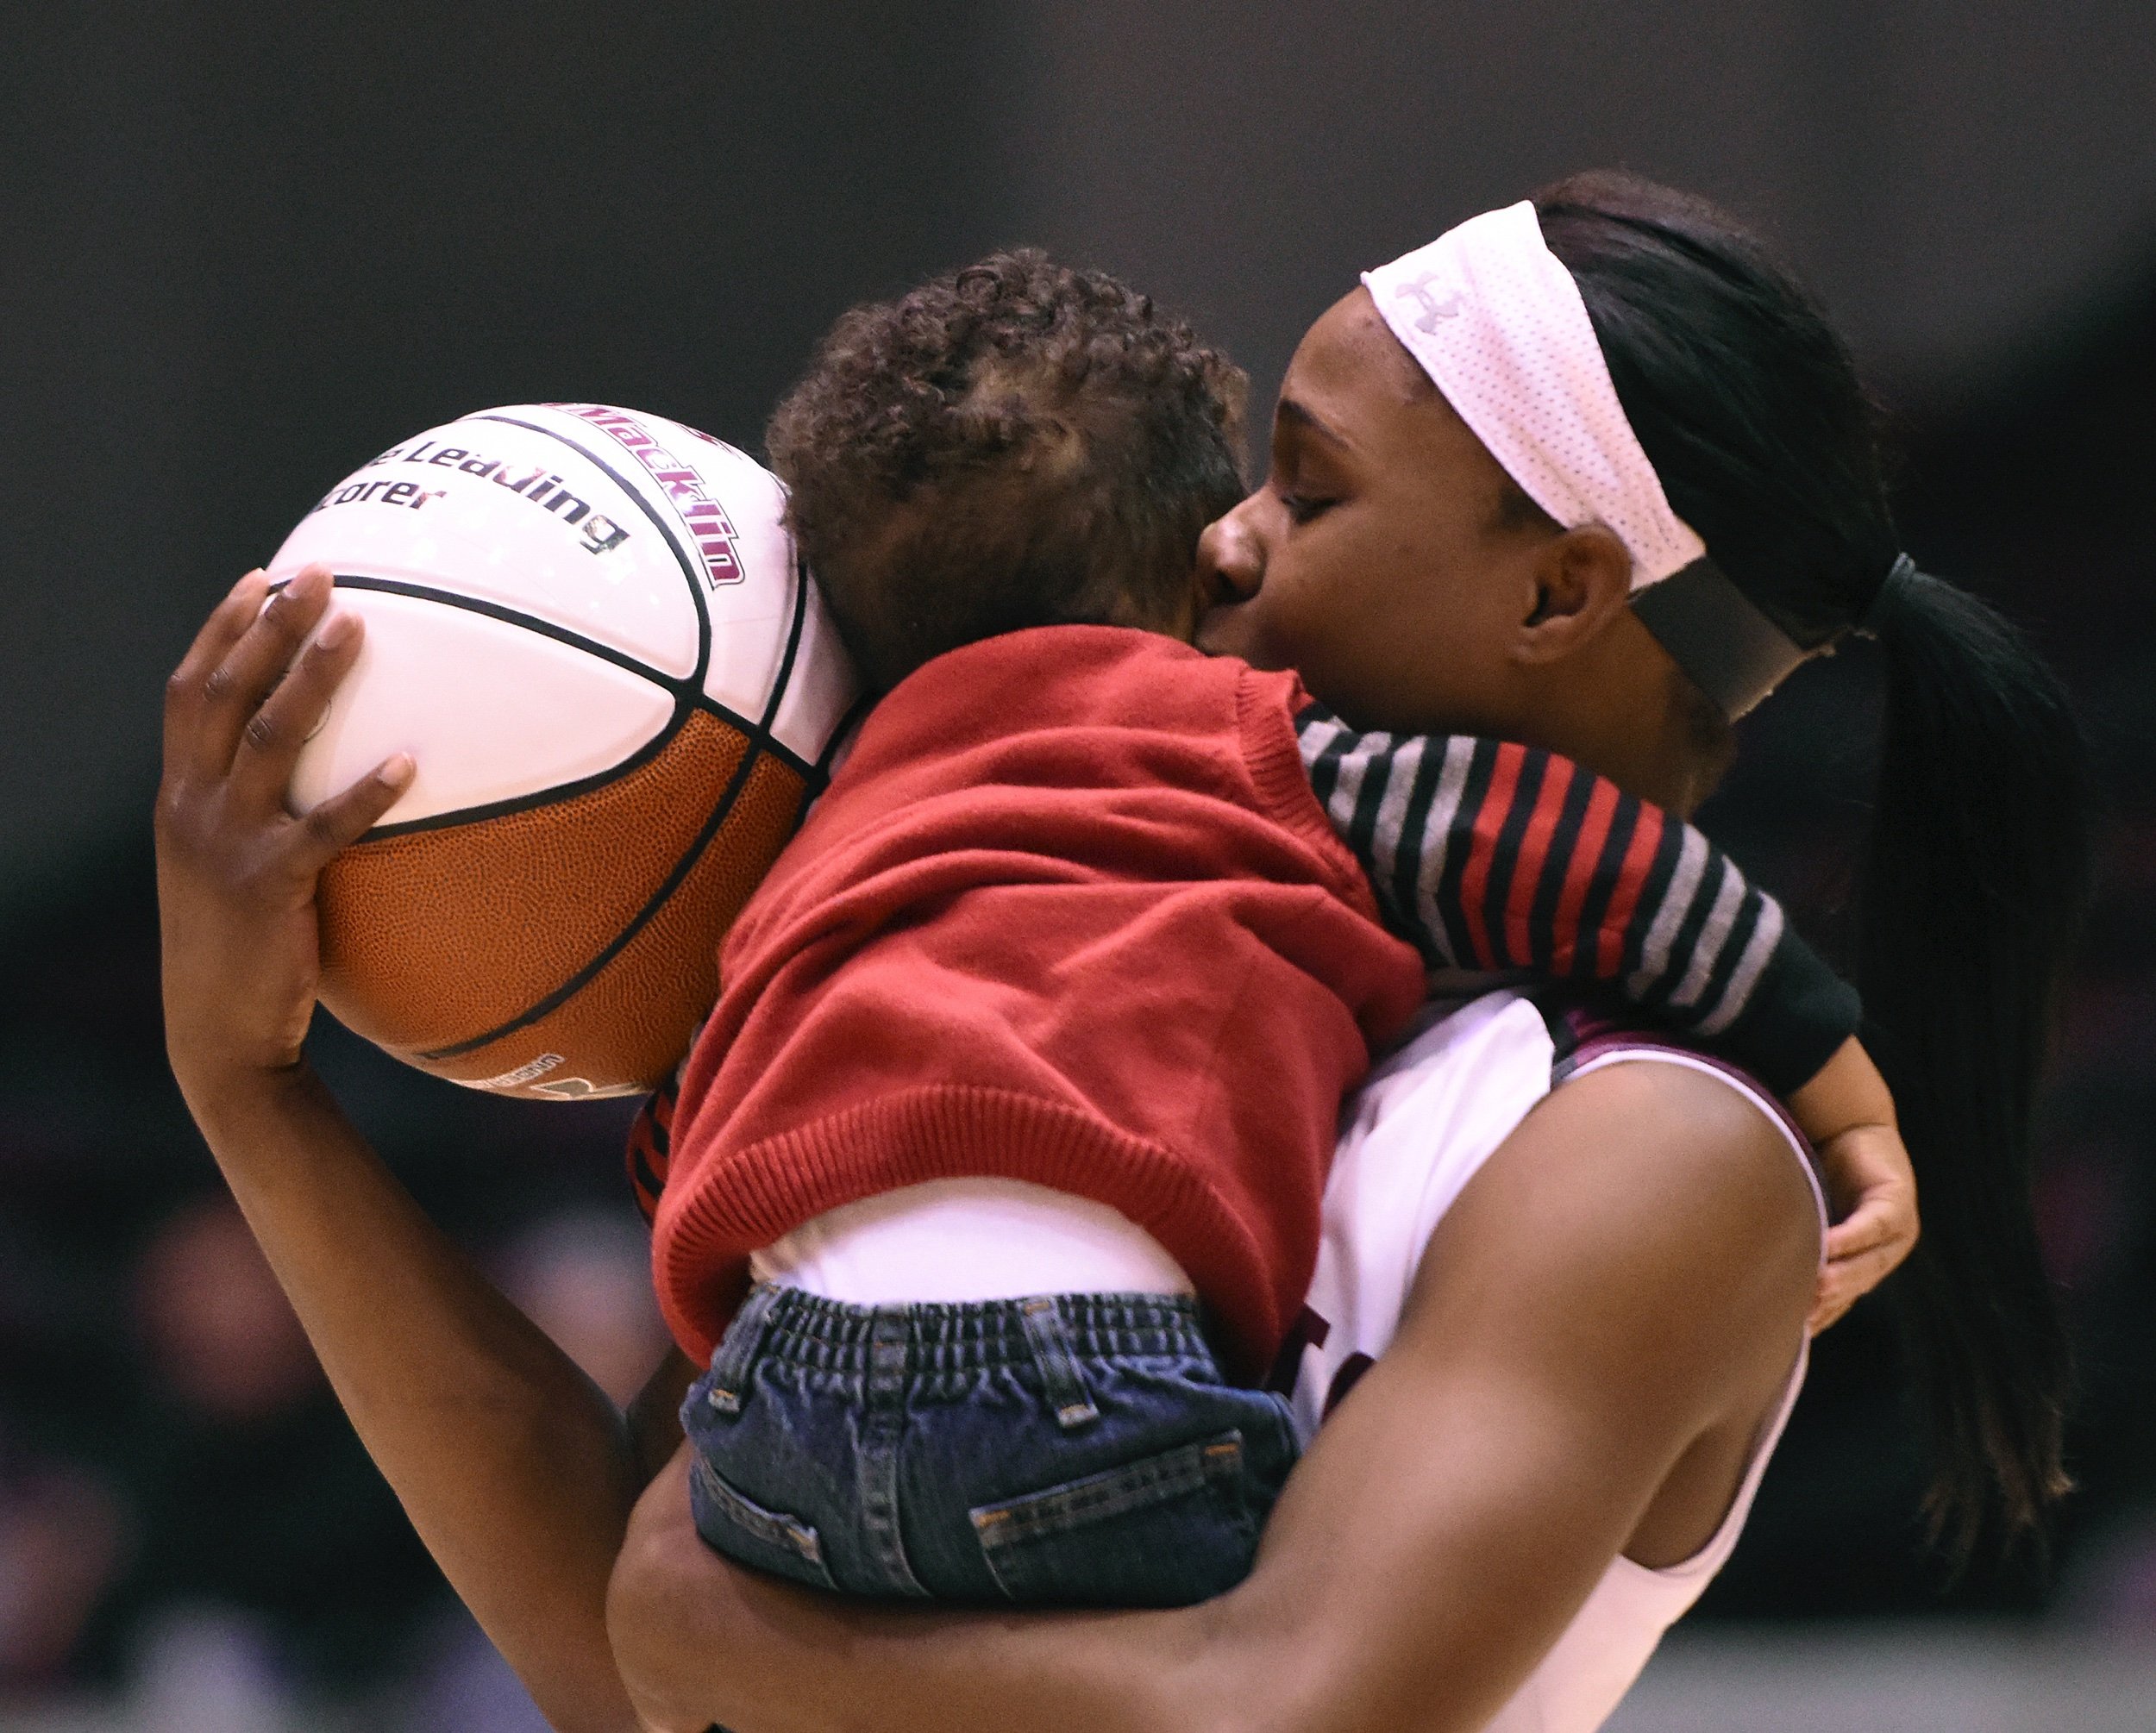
(1058, 1364)
(890, 1327)
(736, 1356)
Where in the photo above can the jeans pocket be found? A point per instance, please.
(735, 1525)
(1164, 1531)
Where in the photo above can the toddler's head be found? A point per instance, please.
(1015, 444)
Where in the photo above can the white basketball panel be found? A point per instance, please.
(823, 686)
(730, 513)
(489, 712)
(752, 620)
(486, 507)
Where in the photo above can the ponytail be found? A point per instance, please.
(1748, 403)
(1977, 874)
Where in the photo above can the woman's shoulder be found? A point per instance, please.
(1708, 1144)
(1691, 1159)
(1657, 1244)
(1713, 1138)
(1559, 1137)
(1470, 1073)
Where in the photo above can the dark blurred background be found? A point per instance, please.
(247, 248)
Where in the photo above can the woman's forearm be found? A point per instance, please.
(518, 1472)
(515, 1470)
(701, 1641)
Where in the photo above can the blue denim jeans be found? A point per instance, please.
(1066, 1450)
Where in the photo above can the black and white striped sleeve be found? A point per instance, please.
(1489, 855)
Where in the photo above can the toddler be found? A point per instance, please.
(992, 1185)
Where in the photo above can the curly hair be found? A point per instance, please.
(1017, 443)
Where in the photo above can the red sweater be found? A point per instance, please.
(1070, 913)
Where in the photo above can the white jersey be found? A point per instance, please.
(1421, 1127)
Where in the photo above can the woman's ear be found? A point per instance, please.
(1583, 581)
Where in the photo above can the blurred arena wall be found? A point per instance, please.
(247, 245)
(1957, 177)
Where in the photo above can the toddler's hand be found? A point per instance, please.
(1872, 1189)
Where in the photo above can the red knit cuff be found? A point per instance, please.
(1265, 724)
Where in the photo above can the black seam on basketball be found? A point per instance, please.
(860, 706)
(766, 742)
(551, 796)
(683, 690)
(686, 697)
(685, 701)
(793, 644)
(562, 994)
(680, 554)
(814, 776)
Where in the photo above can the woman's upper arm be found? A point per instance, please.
(1638, 1254)
(1636, 1258)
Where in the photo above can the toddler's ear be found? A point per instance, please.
(1172, 609)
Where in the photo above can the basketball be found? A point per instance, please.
(588, 628)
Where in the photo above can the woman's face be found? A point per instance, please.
(1378, 560)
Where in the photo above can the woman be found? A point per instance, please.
(1592, 1355)
(1580, 1390)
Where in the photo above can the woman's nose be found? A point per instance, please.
(1231, 560)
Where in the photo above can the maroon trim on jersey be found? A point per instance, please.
(1581, 1031)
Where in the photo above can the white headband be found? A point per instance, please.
(1496, 321)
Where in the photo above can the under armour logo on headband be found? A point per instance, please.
(1433, 309)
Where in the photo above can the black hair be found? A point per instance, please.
(1748, 405)
(1017, 443)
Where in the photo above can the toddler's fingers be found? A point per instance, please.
(1845, 1280)
(1839, 1288)
(1878, 1223)
(1866, 1270)
(1830, 1303)
(1871, 1225)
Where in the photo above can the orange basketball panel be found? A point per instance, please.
(434, 937)
(630, 1024)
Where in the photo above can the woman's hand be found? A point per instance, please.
(666, 1580)
(515, 1468)
(235, 872)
